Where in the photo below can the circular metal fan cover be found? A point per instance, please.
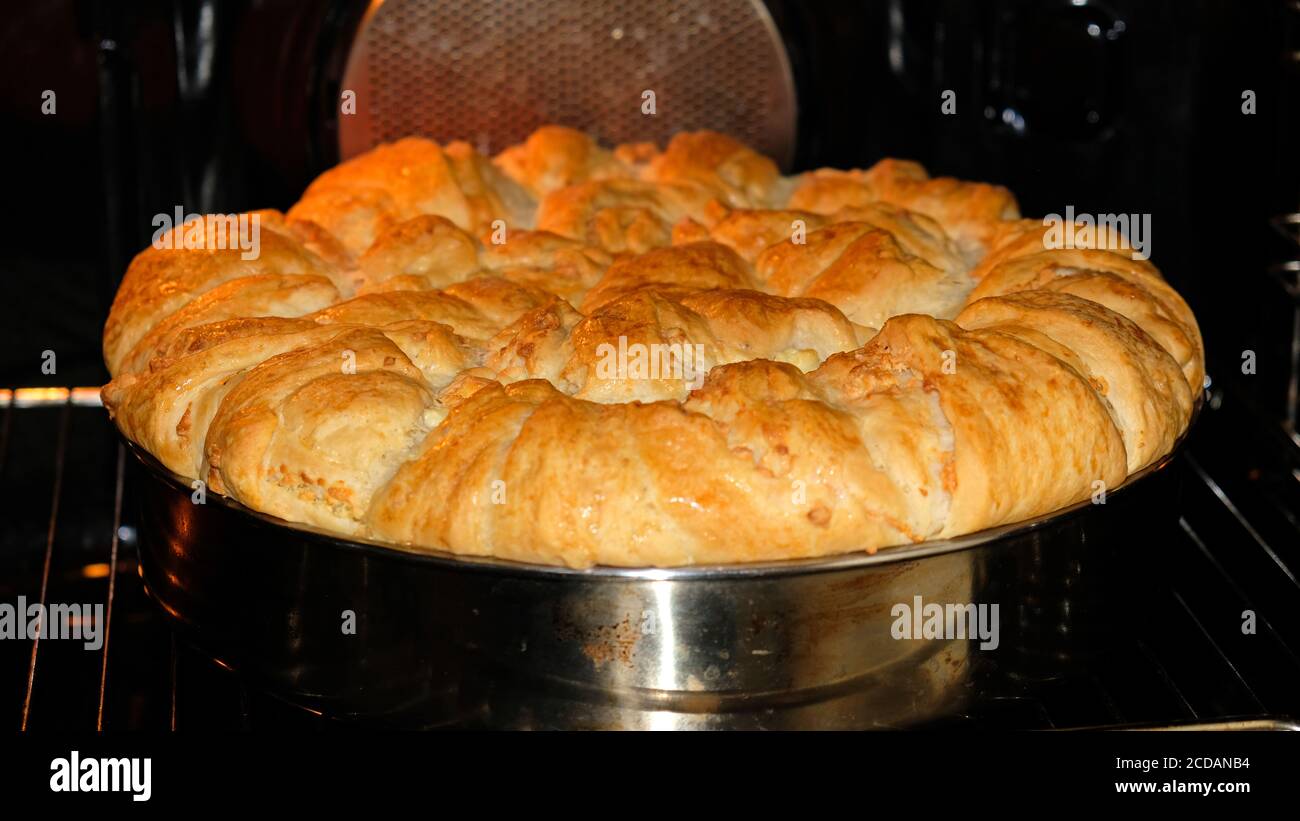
(491, 72)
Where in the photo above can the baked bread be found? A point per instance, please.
(358, 199)
(577, 355)
(969, 211)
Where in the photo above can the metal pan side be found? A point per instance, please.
(439, 640)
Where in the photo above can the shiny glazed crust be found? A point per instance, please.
(572, 354)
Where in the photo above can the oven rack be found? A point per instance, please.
(69, 536)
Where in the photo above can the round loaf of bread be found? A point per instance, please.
(576, 355)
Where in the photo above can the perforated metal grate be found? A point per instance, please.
(491, 72)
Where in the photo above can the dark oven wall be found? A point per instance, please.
(1128, 106)
(207, 106)
(1121, 107)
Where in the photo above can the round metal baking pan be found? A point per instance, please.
(364, 630)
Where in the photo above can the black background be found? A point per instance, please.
(853, 775)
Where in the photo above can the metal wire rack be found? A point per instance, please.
(1174, 660)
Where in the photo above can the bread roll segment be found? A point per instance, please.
(1140, 382)
(309, 434)
(1028, 433)
(970, 212)
(576, 355)
(398, 181)
(166, 276)
(270, 295)
(581, 483)
(1133, 288)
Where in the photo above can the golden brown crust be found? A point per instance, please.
(430, 252)
(802, 332)
(645, 346)
(263, 295)
(1020, 238)
(863, 270)
(371, 193)
(540, 259)
(1028, 433)
(555, 157)
(970, 212)
(477, 308)
(1133, 288)
(322, 243)
(1149, 399)
(621, 216)
(748, 231)
(681, 365)
(427, 248)
(167, 275)
(581, 483)
(915, 233)
(673, 272)
(732, 171)
(168, 410)
(310, 434)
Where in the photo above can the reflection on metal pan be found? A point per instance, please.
(448, 640)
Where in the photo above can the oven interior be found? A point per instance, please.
(225, 107)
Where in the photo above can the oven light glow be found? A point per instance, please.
(99, 570)
(49, 397)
